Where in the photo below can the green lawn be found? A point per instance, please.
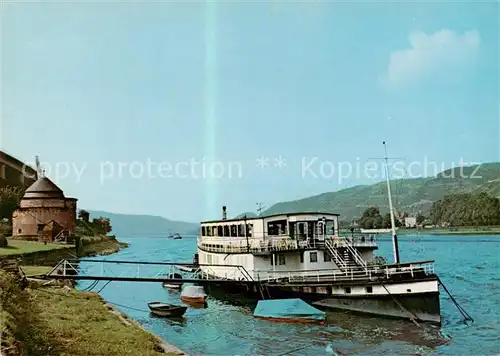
(35, 270)
(17, 247)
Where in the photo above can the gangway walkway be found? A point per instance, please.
(138, 271)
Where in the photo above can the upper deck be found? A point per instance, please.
(294, 231)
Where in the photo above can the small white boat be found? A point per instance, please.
(171, 285)
(194, 294)
(186, 268)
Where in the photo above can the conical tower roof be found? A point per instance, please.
(43, 188)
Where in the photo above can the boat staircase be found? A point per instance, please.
(345, 255)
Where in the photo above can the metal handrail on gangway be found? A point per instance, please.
(145, 271)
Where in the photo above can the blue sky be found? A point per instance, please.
(89, 86)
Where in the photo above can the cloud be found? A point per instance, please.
(443, 52)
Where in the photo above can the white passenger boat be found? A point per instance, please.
(302, 255)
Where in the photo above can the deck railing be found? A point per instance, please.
(271, 244)
(350, 274)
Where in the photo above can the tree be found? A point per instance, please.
(420, 219)
(10, 196)
(83, 215)
(387, 221)
(466, 210)
(101, 225)
(377, 222)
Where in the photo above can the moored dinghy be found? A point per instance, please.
(163, 309)
(288, 310)
(194, 294)
(173, 285)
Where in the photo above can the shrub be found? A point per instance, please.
(3, 241)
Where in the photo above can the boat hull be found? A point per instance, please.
(172, 286)
(292, 320)
(172, 311)
(422, 307)
(194, 300)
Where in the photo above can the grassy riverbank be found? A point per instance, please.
(19, 247)
(32, 253)
(60, 321)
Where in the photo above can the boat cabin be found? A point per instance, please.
(299, 226)
(299, 230)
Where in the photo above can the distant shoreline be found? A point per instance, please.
(465, 231)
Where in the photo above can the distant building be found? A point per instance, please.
(410, 222)
(14, 172)
(44, 214)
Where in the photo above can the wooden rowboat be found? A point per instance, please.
(163, 309)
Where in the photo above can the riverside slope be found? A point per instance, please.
(410, 195)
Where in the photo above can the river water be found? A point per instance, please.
(468, 265)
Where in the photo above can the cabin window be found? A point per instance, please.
(281, 259)
(209, 231)
(330, 228)
(326, 257)
(203, 231)
(233, 230)
(369, 289)
(277, 227)
(347, 290)
(209, 259)
(302, 257)
(226, 231)
(219, 231)
(240, 230)
(313, 257)
(249, 230)
(215, 231)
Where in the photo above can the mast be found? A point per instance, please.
(259, 208)
(391, 210)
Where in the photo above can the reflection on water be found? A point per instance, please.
(226, 326)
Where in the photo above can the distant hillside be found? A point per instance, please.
(145, 225)
(410, 195)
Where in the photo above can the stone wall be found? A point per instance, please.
(71, 205)
(43, 203)
(25, 221)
